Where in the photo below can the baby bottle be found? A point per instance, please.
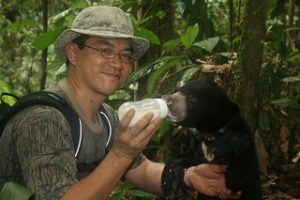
(157, 106)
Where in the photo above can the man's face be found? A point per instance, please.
(97, 69)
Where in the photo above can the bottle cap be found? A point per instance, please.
(163, 107)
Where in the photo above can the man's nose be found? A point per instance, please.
(117, 62)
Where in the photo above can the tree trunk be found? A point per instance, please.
(250, 61)
(231, 13)
(45, 51)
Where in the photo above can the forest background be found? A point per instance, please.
(249, 47)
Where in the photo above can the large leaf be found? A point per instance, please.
(145, 33)
(287, 102)
(188, 38)
(178, 78)
(56, 67)
(189, 73)
(12, 190)
(292, 79)
(171, 44)
(144, 71)
(208, 44)
(293, 56)
(46, 39)
(67, 15)
(5, 88)
(158, 74)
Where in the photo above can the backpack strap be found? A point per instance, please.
(104, 116)
(106, 121)
(49, 99)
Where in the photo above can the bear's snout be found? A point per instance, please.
(176, 103)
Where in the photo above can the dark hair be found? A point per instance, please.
(79, 41)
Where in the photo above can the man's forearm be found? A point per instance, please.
(147, 176)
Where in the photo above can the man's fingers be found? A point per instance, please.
(211, 171)
(148, 131)
(151, 128)
(144, 121)
(236, 195)
(227, 194)
(219, 168)
(127, 118)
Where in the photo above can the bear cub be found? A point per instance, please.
(222, 135)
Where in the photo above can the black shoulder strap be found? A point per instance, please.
(53, 100)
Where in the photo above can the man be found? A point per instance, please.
(36, 148)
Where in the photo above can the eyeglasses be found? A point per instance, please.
(109, 53)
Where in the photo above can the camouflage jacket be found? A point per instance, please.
(36, 150)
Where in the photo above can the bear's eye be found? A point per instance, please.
(192, 100)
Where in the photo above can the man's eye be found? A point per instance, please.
(127, 57)
(107, 52)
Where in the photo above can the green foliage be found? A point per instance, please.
(19, 25)
(4, 88)
(127, 190)
(208, 44)
(287, 102)
(292, 79)
(44, 40)
(201, 34)
(145, 33)
(148, 68)
(13, 190)
(188, 38)
(158, 75)
(171, 44)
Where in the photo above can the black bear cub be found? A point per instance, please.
(223, 136)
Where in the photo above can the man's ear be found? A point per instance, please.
(71, 53)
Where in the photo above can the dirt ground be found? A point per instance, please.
(284, 184)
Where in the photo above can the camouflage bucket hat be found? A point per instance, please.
(101, 21)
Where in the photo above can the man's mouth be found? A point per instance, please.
(114, 76)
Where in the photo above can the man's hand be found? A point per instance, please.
(130, 141)
(209, 179)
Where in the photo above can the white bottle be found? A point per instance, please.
(157, 106)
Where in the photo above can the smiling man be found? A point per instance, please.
(36, 147)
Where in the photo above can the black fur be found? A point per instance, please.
(223, 135)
